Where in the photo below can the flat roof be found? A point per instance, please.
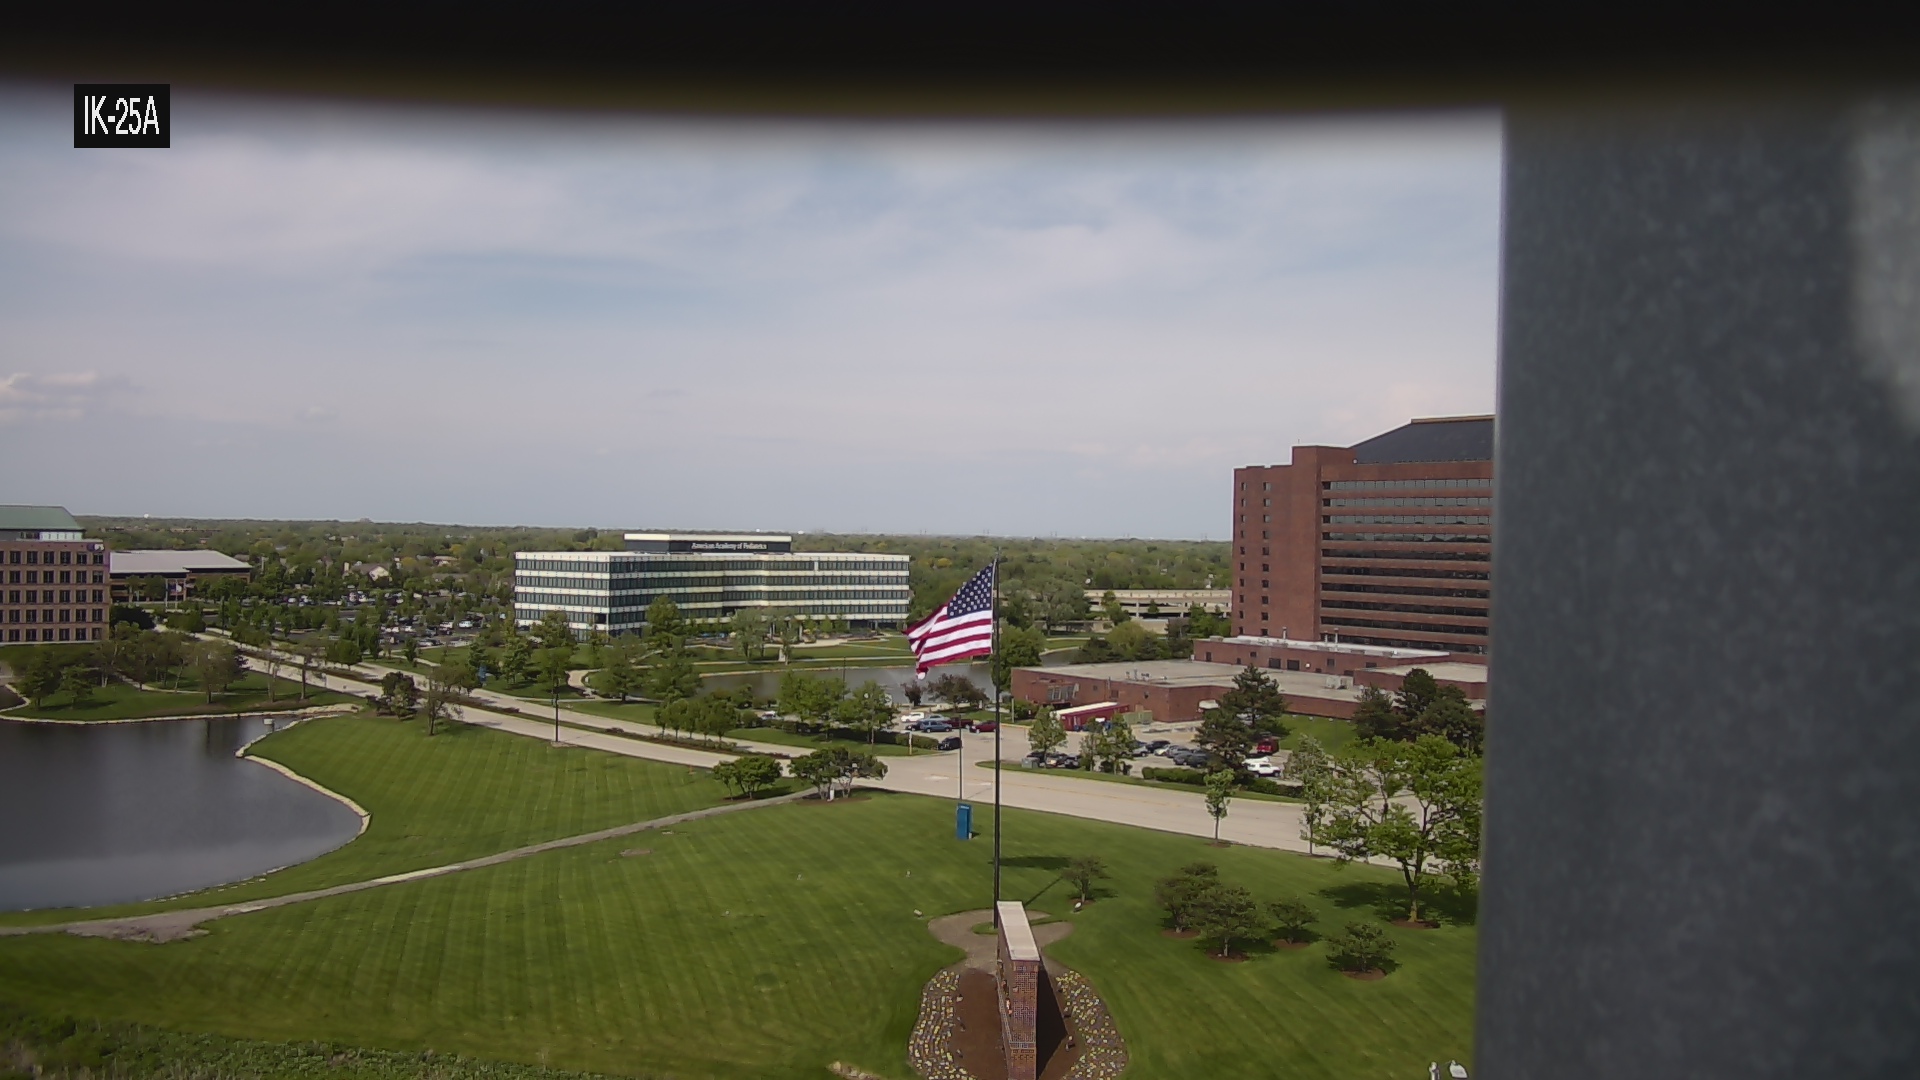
(41, 518)
(1339, 648)
(1456, 670)
(1156, 672)
(1017, 932)
(1095, 707)
(185, 561)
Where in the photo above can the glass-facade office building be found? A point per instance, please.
(709, 577)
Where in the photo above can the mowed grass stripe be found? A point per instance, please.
(767, 944)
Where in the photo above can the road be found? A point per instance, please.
(943, 775)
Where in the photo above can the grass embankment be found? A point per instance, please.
(1137, 781)
(768, 944)
(121, 701)
(463, 793)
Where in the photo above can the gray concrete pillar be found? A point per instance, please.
(1704, 761)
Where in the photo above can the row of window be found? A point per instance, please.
(80, 633)
(39, 615)
(1384, 485)
(896, 598)
(67, 596)
(1344, 604)
(1379, 556)
(1402, 571)
(1415, 500)
(631, 562)
(67, 577)
(1406, 643)
(1404, 590)
(1381, 624)
(1409, 537)
(1404, 519)
(66, 558)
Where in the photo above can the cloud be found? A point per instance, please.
(59, 396)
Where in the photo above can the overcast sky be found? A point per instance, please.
(326, 311)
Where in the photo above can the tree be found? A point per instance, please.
(308, 657)
(868, 709)
(411, 651)
(127, 613)
(1046, 735)
(1436, 825)
(1256, 702)
(749, 775)
(1219, 794)
(663, 620)
(672, 677)
(554, 633)
(957, 690)
(1374, 716)
(1018, 648)
(1223, 735)
(1309, 766)
(217, 666)
(1291, 916)
(445, 689)
(188, 620)
(1110, 607)
(1110, 744)
(1225, 912)
(837, 766)
(1177, 893)
(814, 701)
(620, 678)
(516, 658)
(1451, 718)
(914, 691)
(1082, 872)
(40, 677)
(750, 634)
(554, 667)
(1362, 946)
(77, 681)
(1131, 641)
(1418, 690)
(400, 693)
(816, 769)
(1060, 602)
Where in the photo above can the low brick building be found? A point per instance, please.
(1367, 665)
(1180, 691)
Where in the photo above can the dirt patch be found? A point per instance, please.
(1283, 943)
(1219, 843)
(632, 851)
(1415, 924)
(1369, 975)
(975, 1043)
(812, 800)
(1180, 935)
(1230, 958)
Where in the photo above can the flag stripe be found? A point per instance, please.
(960, 628)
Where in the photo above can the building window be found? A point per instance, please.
(33, 635)
(1293, 665)
(13, 635)
(96, 633)
(33, 614)
(1263, 601)
(33, 557)
(65, 634)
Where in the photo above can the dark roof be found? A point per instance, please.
(1467, 438)
(43, 518)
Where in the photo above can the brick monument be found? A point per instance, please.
(1018, 976)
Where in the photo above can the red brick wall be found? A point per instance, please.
(74, 608)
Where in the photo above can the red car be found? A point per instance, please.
(985, 725)
(1266, 745)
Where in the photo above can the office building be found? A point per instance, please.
(709, 576)
(182, 572)
(1388, 542)
(56, 578)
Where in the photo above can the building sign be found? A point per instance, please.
(677, 543)
(723, 545)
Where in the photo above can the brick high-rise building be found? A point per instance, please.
(1385, 543)
(55, 586)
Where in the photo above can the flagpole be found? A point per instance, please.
(992, 660)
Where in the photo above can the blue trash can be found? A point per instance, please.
(963, 822)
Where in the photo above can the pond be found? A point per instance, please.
(114, 813)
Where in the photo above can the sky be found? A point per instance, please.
(326, 310)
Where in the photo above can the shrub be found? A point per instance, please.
(1362, 946)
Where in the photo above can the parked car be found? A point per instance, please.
(1139, 748)
(913, 718)
(986, 725)
(935, 726)
(1262, 767)
(1067, 761)
(1033, 761)
(951, 742)
(1267, 745)
(1154, 746)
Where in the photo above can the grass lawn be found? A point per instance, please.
(816, 742)
(767, 944)
(120, 701)
(459, 794)
(1333, 734)
(1089, 774)
(614, 710)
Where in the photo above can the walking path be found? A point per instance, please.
(175, 925)
(941, 775)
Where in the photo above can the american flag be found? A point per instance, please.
(960, 628)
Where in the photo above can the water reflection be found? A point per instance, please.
(112, 813)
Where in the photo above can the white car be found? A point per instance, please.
(913, 717)
(1263, 767)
